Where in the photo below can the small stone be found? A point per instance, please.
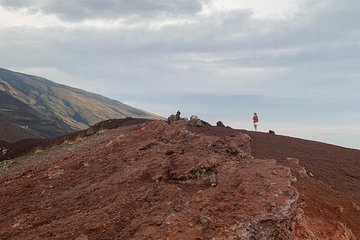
(178, 208)
(357, 208)
(340, 209)
(169, 152)
(293, 160)
(158, 221)
(212, 178)
(82, 237)
(205, 221)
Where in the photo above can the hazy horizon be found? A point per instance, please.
(293, 62)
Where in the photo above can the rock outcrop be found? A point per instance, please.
(220, 124)
(196, 121)
(272, 132)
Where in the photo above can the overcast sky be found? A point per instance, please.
(295, 62)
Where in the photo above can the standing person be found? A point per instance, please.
(256, 121)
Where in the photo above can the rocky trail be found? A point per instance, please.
(154, 180)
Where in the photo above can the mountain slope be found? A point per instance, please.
(154, 180)
(12, 132)
(50, 109)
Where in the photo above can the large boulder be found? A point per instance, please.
(195, 121)
(220, 124)
(176, 117)
(172, 118)
(272, 132)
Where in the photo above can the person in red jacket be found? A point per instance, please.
(256, 121)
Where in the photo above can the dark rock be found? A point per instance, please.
(172, 118)
(169, 152)
(90, 131)
(220, 124)
(272, 132)
(205, 123)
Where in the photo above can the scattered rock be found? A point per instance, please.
(3, 151)
(172, 118)
(82, 237)
(169, 152)
(205, 123)
(340, 209)
(147, 146)
(293, 160)
(175, 117)
(271, 132)
(220, 124)
(205, 221)
(195, 121)
(294, 163)
(158, 220)
(356, 207)
(54, 172)
(212, 178)
(90, 131)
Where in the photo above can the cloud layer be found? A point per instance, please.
(196, 51)
(106, 9)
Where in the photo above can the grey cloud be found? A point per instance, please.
(17, 3)
(223, 40)
(246, 40)
(108, 9)
(319, 51)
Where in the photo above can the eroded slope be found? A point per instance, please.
(157, 181)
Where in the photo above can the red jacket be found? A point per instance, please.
(255, 119)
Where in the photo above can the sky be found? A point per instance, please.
(294, 62)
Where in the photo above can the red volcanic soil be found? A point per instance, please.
(28, 146)
(154, 180)
(332, 191)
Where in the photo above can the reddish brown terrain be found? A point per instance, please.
(334, 190)
(154, 180)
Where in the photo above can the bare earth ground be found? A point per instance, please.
(334, 190)
(159, 181)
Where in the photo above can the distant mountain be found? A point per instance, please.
(34, 107)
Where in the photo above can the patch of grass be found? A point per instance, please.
(197, 173)
(100, 132)
(67, 142)
(72, 141)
